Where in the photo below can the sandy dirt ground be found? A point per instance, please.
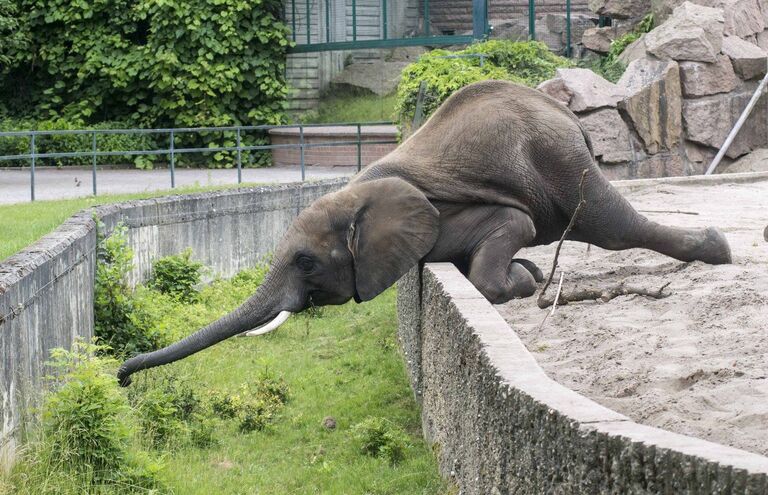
(695, 362)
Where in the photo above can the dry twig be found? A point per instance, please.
(567, 231)
(604, 294)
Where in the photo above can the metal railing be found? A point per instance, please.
(172, 151)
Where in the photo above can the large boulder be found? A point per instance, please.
(762, 39)
(692, 33)
(599, 39)
(582, 90)
(620, 9)
(743, 18)
(610, 135)
(634, 51)
(757, 161)
(511, 29)
(703, 79)
(653, 102)
(709, 120)
(380, 78)
(749, 61)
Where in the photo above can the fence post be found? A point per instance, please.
(426, 18)
(301, 150)
(359, 146)
(93, 170)
(239, 159)
(32, 169)
(531, 20)
(568, 45)
(384, 17)
(173, 164)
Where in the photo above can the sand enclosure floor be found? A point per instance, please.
(694, 363)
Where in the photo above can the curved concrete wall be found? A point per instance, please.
(46, 291)
(501, 426)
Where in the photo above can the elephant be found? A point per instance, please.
(496, 168)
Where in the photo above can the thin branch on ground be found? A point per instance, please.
(681, 212)
(603, 294)
(567, 231)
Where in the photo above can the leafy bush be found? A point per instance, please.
(155, 64)
(255, 405)
(610, 66)
(74, 142)
(83, 442)
(524, 62)
(177, 276)
(115, 323)
(379, 437)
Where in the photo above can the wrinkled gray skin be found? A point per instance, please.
(495, 169)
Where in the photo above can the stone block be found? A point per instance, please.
(598, 39)
(653, 102)
(582, 90)
(693, 32)
(634, 51)
(610, 135)
(743, 18)
(757, 161)
(380, 78)
(703, 79)
(620, 9)
(709, 120)
(749, 61)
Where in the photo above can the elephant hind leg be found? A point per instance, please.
(494, 270)
(538, 275)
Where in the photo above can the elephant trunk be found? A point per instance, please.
(260, 308)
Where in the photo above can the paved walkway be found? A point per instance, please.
(73, 182)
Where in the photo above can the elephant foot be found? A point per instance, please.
(714, 248)
(538, 275)
(518, 283)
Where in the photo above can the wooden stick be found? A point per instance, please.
(565, 234)
(604, 294)
(669, 211)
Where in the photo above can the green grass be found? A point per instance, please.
(344, 364)
(335, 108)
(21, 224)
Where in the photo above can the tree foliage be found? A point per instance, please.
(150, 62)
(445, 72)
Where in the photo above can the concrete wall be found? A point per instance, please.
(46, 291)
(501, 426)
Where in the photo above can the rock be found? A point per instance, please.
(380, 78)
(610, 135)
(742, 17)
(634, 51)
(662, 9)
(702, 79)
(749, 61)
(620, 9)
(762, 40)
(556, 23)
(654, 102)
(598, 39)
(406, 54)
(329, 423)
(757, 161)
(510, 29)
(579, 24)
(692, 33)
(709, 120)
(582, 90)
(699, 157)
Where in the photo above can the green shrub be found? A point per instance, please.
(169, 63)
(610, 66)
(379, 437)
(202, 431)
(177, 276)
(527, 63)
(115, 323)
(225, 406)
(83, 443)
(74, 142)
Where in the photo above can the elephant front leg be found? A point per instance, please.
(495, 272)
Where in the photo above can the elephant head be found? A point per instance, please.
(353, 243)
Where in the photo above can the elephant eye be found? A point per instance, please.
(305, 263)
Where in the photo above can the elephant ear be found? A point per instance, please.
(395, 226)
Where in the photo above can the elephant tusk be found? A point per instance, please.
(272, 325)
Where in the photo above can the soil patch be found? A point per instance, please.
(695, 362)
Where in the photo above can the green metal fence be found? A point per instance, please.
(33, 157)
